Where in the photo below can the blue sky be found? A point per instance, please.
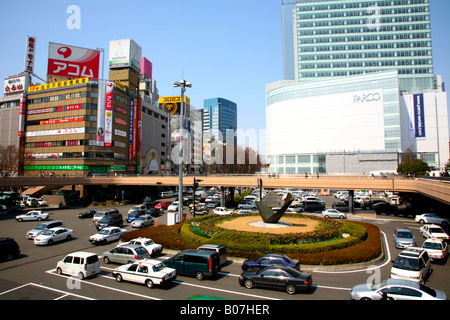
(229, 49)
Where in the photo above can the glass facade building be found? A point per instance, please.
(326, 39)
(219, 116)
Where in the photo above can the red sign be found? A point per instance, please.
(73, 62)
(109, 113)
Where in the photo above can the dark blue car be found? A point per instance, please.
(133, 215)
(270, 259)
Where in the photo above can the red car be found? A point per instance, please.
(163, 205)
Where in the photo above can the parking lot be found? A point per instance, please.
(33, 276)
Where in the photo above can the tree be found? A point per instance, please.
(9, 159)
(413, 167)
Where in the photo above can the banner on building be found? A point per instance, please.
(56, 85)
(101, 100)
(30, 54)
(109, 113)
(419, 115)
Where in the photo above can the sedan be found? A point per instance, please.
(268, 260)
(163, 205)
(393, 289)
(33, 215)
(53, 235)
(431, 218)
(142, 221)
(277, 277)
(433, 231)
(333, 213)
(87, 214)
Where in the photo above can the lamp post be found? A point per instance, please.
(183, 84)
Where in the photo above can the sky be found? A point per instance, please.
(230, 49)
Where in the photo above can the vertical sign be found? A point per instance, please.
(130, 144)
(109, 113)
(101, 113)
(22, 115)
(135, 123)
(419, 116)
(30, 54)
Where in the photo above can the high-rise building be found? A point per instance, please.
(219, 116)
(325, 39)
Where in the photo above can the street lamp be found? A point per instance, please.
(183, 84)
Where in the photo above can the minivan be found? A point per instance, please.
(126, 254)
(112, 220)
(9, 249)
(166, 194)
(81, 264)
(412, 264)
(100, 214)
(33, 233)
(197, 263)
(221, 251)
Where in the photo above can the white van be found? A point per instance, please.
(80, 264)
(166, 194)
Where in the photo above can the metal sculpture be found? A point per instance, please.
(267, 213)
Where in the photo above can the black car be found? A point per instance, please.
(87, 214)
(9, 249)
(268, 260)
(154, 212)
(385, 208)
(112, 220)
(277, 277)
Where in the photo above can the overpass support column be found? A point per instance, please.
(351, 194)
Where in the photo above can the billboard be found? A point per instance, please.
(419, 116)
(30, 54)
(125, 54)
(109, 113)
(172, 105)
(17, 84)
(146, 67)
(72, 62)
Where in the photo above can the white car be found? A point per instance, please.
(136, 208)
(33, 215)
(412, 264)
(143, 221)
(431, 218)
(148, 244)
(333, 213)
(106, 235)
(148, 272)
(42, 203)
(437, 249)
(173, 207)
(222, 211)
(48, 237)
(433, 231)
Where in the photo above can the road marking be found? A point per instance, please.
(65, 293)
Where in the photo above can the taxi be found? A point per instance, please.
(106, 235)
(437, 249)
(148, 272)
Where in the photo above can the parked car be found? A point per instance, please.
(246, 204)
(134, 214)
(48, 237)
(431, 218)
(313, 205)
(404, 238)
(87, 214)
(100, 214)
(108, 234)
(219, 249)
(148, 272)
(154, 212)
(222, 211)
(138, 207)
(33, 233)
(199, 209)
(384, 208)
(166, 194)
(333, 213)
(163, 205)
(125, 254)
(433, 231)
(81, 264)
(143, 221)
(277, 277)
(396, 290)
(268, 260)
(42, 203)
(112, 220)
(152, 247)
(9, 249)
(412, 264)
(197, 263)
(437, 249)
(33, 215)
(173, 207)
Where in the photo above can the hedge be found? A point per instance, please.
(363, 244)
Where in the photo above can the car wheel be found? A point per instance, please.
(81, 276)
(39, 219)
(20, 220)
(199, 275)
(365, 299)
(149, 283)
(106, 260)
(421, 221)
(50, 242)
(119, 277)
(69, 237)
(59, 271)
(326, 217)
(290, 289)
(248, 284)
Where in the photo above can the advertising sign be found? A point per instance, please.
(125, 54)
(101, 113)
(109, 113)
(130, 145)
(172, 105)
(60, 84)
(30, 54)
(72, 62)
(15, 85)
(419, 116)
(146, 67)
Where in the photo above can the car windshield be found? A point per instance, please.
(379, 285)
(158, 267)
(287, 259)
(150, 242)
(436, 230)
(405, 234)
(106, 219)
(41, 226)
(133, 214)
(99, 214)
(104, 232)
(141, 250)
(432, 245)
(141, 218)
(48, 232)
(406, 263)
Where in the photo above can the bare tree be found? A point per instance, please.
(9, 159)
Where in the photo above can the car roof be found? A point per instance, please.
(412, 252)
(131, 246)
(404, 283)
(148, 262)
(214, 246)
(82, 254)
(402, 229)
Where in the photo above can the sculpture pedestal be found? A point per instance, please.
(262, 224)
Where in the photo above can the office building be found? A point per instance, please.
(220, 115)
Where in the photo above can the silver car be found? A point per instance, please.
(404, 238)
(126, 254)
(394, 289)
(143, 221)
